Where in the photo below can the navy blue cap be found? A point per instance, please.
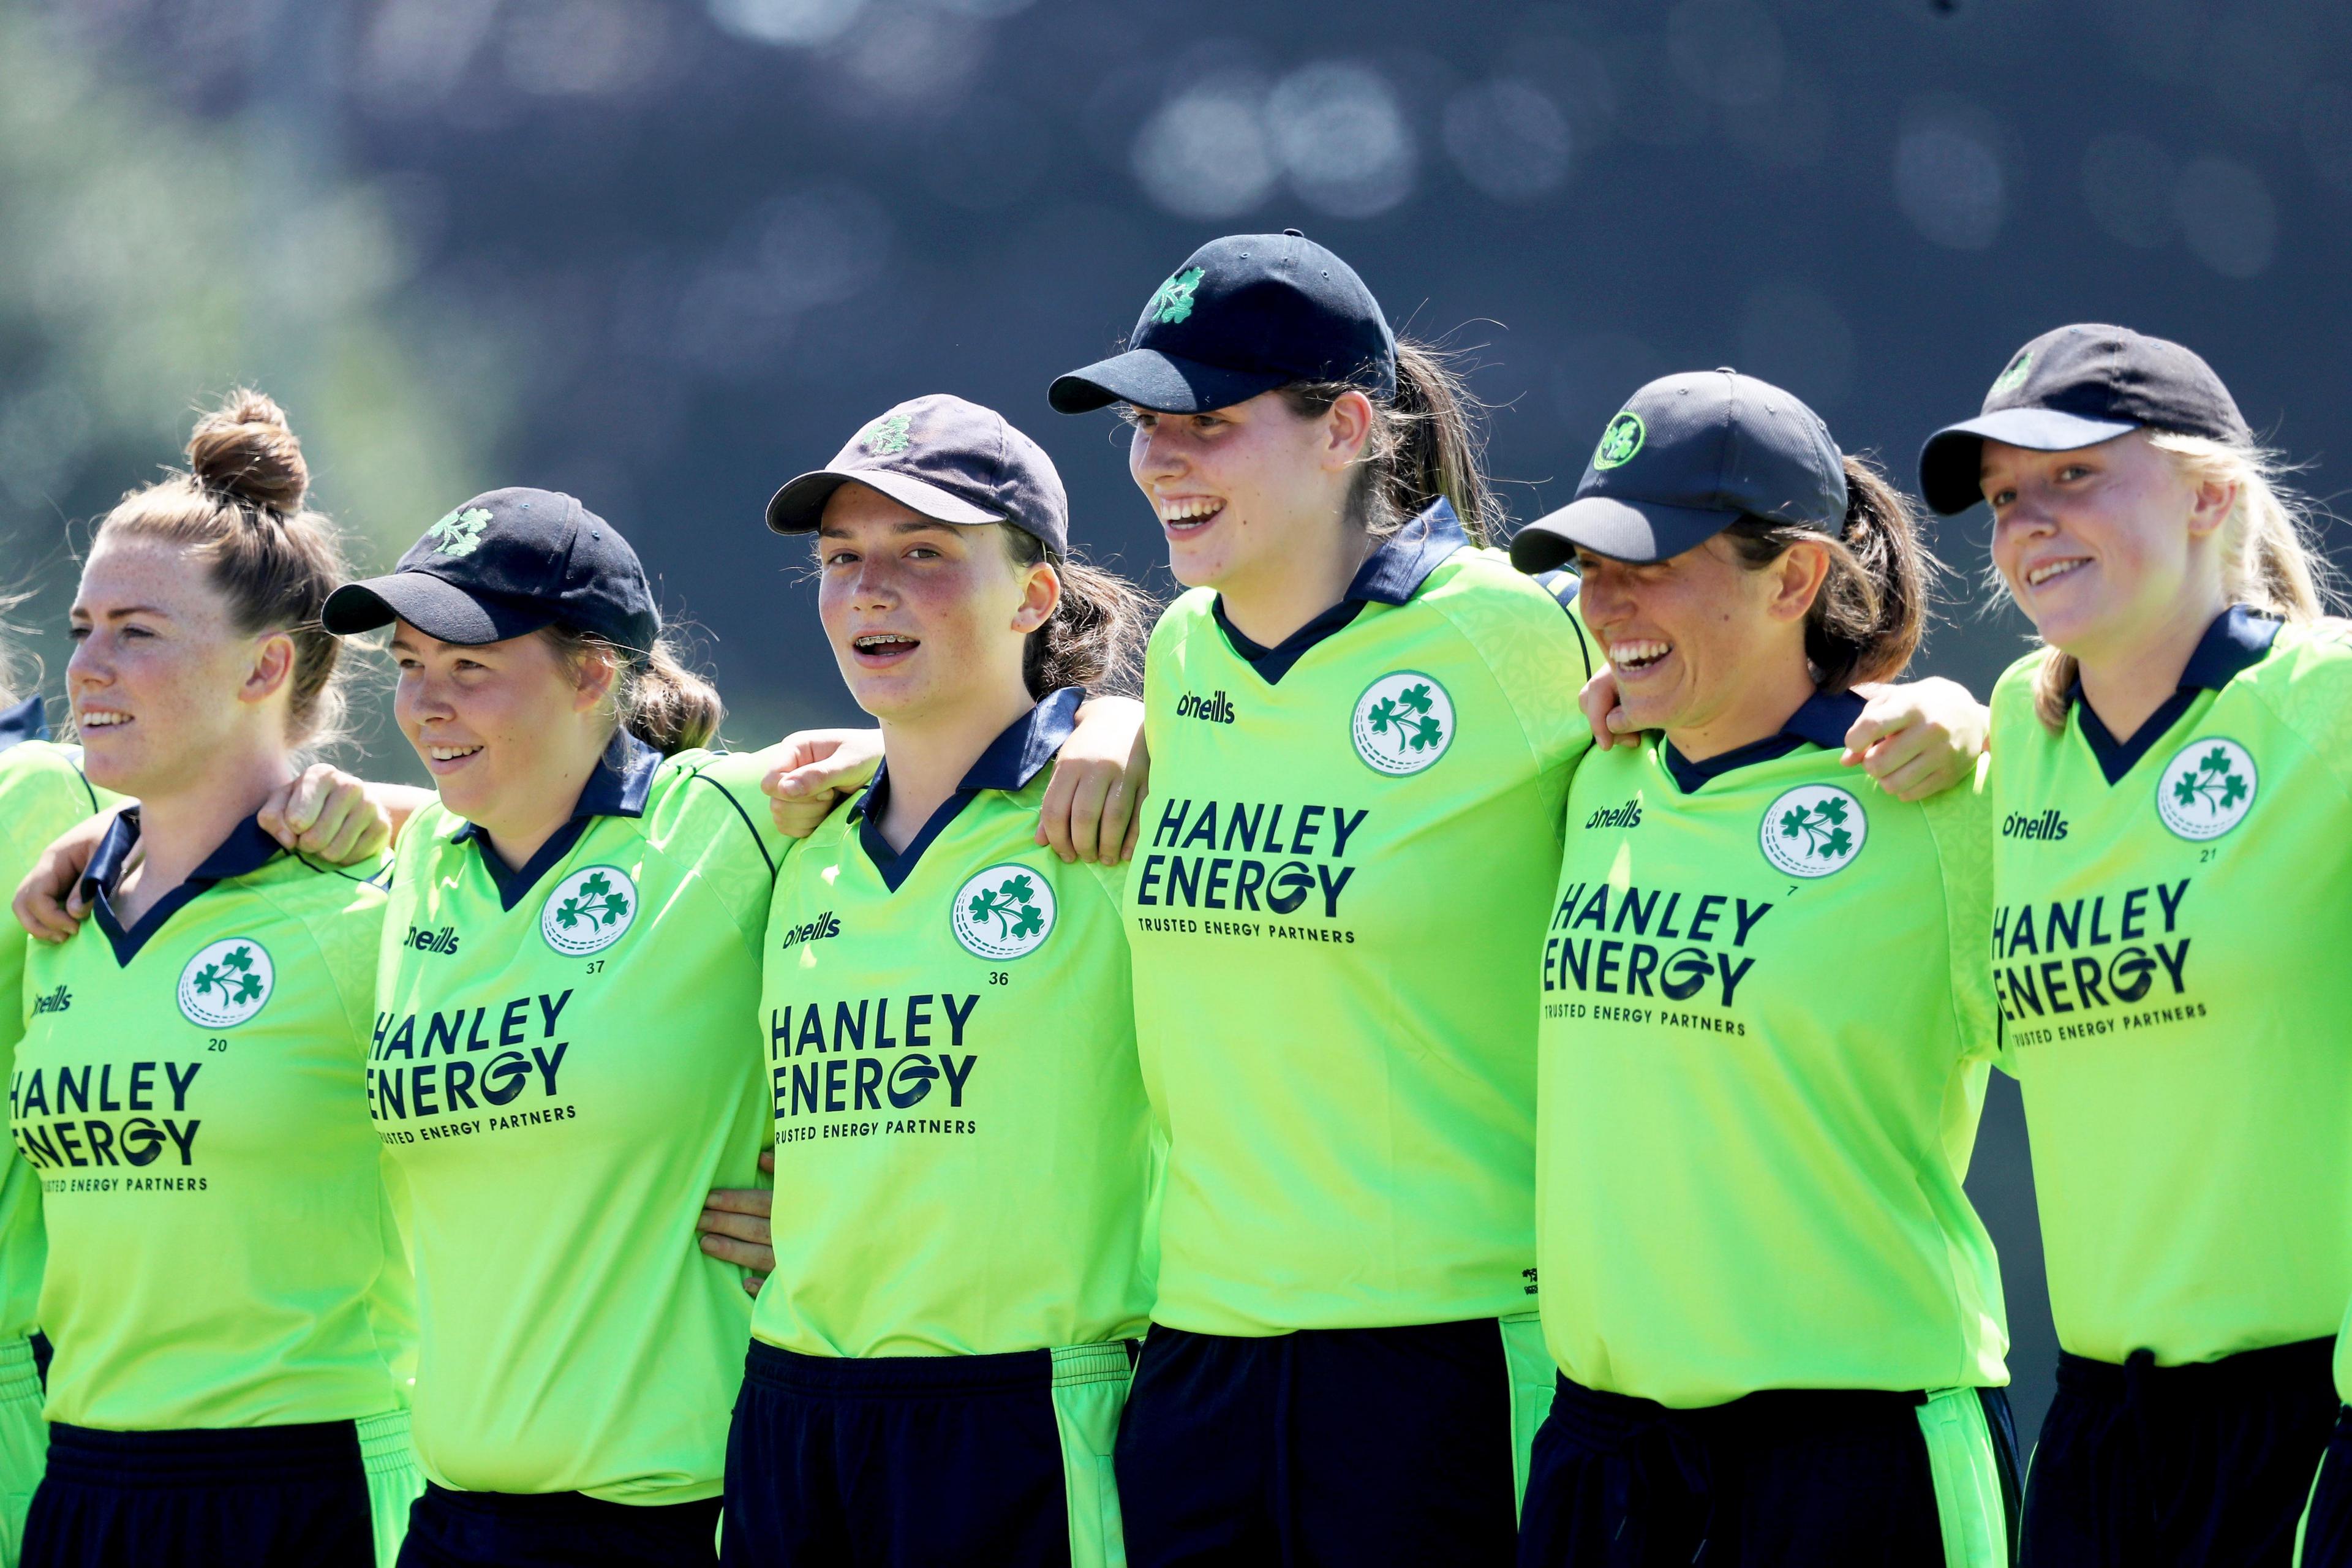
(1245, 314)
(950, 461)
(2076, 387)
(1688, 456)
(507, 562)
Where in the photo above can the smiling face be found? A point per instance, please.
(1237, 491)
(2104, 546)
(162, 681)
(502, 727)
(1698, 639)
(924, 617)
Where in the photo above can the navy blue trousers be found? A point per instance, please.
(1793, 1477)
(260, 1497)
(1330, 1447)
(2207, 1465)
(2328, 1537)
(896, 1462)
(556, 1530)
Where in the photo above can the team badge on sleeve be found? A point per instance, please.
(589, 911)
(1005, 913)
(2207, 788)
(226, 983)
(1404, 722)
(1814, 830)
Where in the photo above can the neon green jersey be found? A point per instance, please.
(42, 793)
(1335, 912)
(221, 1248)
(1767, 1032)
(565, 1063)
(963, 1159)
(2169, 941)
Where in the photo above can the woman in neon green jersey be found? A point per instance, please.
(2167, 943)
(224, 1287)
(1777, 1318)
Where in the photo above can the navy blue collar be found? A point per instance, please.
(246, 850)
(1392, 575)
(2239, 639)
(28, 721)
(1012, 760)
(1822, 720)
(617, 786)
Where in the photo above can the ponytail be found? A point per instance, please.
(2269, 561)
(1094, 639)
(1425, 445)
(239, 510)
(1866, 621)
(655, 697)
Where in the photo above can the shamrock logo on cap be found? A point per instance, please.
(1174, 301)
(1619, 441)
(886, 435)
(2014, 376)
(461, 532)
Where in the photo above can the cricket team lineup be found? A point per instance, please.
(1477, 1065)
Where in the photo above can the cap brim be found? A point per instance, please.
(1621, 530)
(799, 506)
(1162, 382)
(1951, 463)
(440, 610)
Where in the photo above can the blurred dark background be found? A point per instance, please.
(665, 254)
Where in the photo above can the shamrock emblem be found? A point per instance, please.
(225, 984)
(1403, 723)
(1814, 830)
(2207, 788)
(461, 532)
(1003, 912)
(1821, 826)
(888, 435)
(1619, 441)
(588, 911)
(597, 901)
(1173, 302)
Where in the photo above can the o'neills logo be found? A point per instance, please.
(430, 940)
(1626, 816)
(2049, 824)
(1216, 707)
(817, 930)
(56, 1000)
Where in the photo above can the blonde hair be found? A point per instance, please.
(239, 510)
(2268, 557)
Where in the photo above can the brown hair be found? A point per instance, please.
(1866, 621)
(655, 697)
(2268, 559)
(1425, 443)
(240, 510)
(1094, 639)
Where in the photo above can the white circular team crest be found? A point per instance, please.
(1404, 722)
(1005, 913)
(1814, 830)
(226, 983)
(589, 911)
(2207, 788)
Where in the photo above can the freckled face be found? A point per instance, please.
(157, 665)
(923, 616)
